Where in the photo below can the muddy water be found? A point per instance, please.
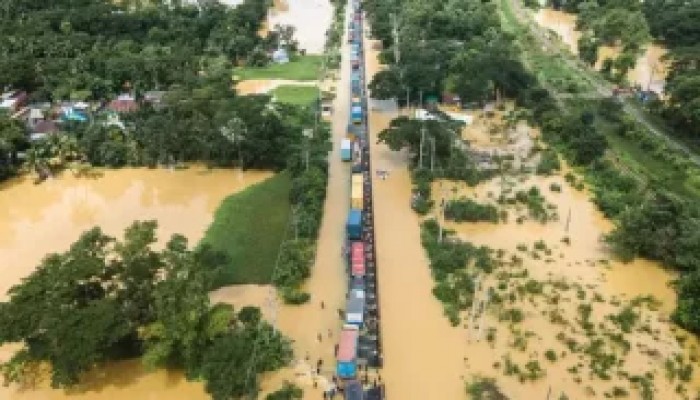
(310, 18)
(260, 86)
(423, 354)
(649, 72)
(580, 263)
(38, 219)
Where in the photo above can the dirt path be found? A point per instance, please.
(423, 355)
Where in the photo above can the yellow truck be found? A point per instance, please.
(356, 192)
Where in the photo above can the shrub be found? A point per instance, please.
(471, 211)
(549, 162)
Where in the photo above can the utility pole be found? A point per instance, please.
(422, 139)
(442, 212)
(568, 220)
(432, 154)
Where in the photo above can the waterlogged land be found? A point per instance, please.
(39, 219)
(559, 312)
(649, 71)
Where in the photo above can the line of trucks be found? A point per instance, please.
(360, 344)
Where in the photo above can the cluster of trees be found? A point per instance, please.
(94, 49)
(453, 263)
(444, 154)
(471, 211)
(674, 23)
(12, 141)
(456, 46)
(105, 299)
(610, 22)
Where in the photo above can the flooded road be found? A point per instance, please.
(310, 19)
(650, 70)
(38, 219)
(423, 354)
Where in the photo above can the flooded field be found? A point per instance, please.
(310, 19)
(552, 272)
(649, 72)
(38, 219)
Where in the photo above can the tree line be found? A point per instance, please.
(106, 299)
(98, 48)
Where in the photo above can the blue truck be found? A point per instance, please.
(353, 227)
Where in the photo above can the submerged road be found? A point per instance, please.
(423, 354)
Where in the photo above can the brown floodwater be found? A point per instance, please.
(650, 70)
(260, 86)
(422, 353)
(310, 19)
(39, 219)
(586, 262)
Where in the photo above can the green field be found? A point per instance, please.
(249, 227)
(301, 68)
(296, 94)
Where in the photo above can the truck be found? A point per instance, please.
(353, 391)
(356, 114)
(353, 226)
(356, 195)
(346, 150)
(346, 367)
(357, 259)
(355, 310)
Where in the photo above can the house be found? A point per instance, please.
(155, 97)
(36, 115)
(280, 56)
(124, 103)
(451, 99)
(13, 101)
(42, 129)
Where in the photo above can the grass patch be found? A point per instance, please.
(249, 227)
(296, 94)
(300, 68)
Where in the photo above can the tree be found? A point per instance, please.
(181, 308)
(12, 139)
(686, 314)
(229, 367)
(386, 84)
(64, 311)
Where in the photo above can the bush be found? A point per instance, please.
(549, 162)
(289, 391)
(550, 355)
(295, 296)
(471, 211)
